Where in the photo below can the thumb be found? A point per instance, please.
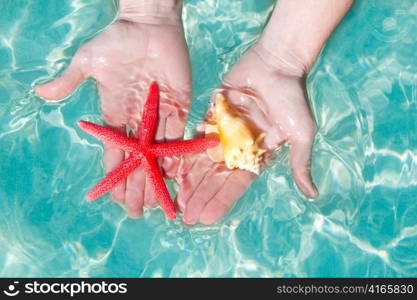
(300, 164)
(63, 85)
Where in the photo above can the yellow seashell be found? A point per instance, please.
(239, 141)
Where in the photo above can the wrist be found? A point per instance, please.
(297, 31)
(281, 59)
(150, 11)
(283, 43)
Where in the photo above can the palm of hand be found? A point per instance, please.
(124, 59)
(276, 103)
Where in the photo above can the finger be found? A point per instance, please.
(175, 123)
(135, 191)
(212, 182)
(191, 173)
(64, 85)
(234, 187)
(170, 166)
(300, 161)
(174, 131)
(112, 158)
(149, 197)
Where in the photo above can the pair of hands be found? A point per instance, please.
(128, 55)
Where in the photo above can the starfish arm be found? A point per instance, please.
(161, 192)
(113, 178)
(108, 135)
(150, 115)
(183, 147)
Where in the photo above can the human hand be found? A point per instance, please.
(270, 92)
(146, 44)
(266, 86)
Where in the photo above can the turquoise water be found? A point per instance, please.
(363, 92)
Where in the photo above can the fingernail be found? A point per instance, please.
(116, 198)
(189, 221)
(134, 214)
(313, 192)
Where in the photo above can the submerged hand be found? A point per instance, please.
(267, 85)
(273, 97)
(123, 60)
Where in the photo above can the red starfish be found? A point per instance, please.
(143, 151)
